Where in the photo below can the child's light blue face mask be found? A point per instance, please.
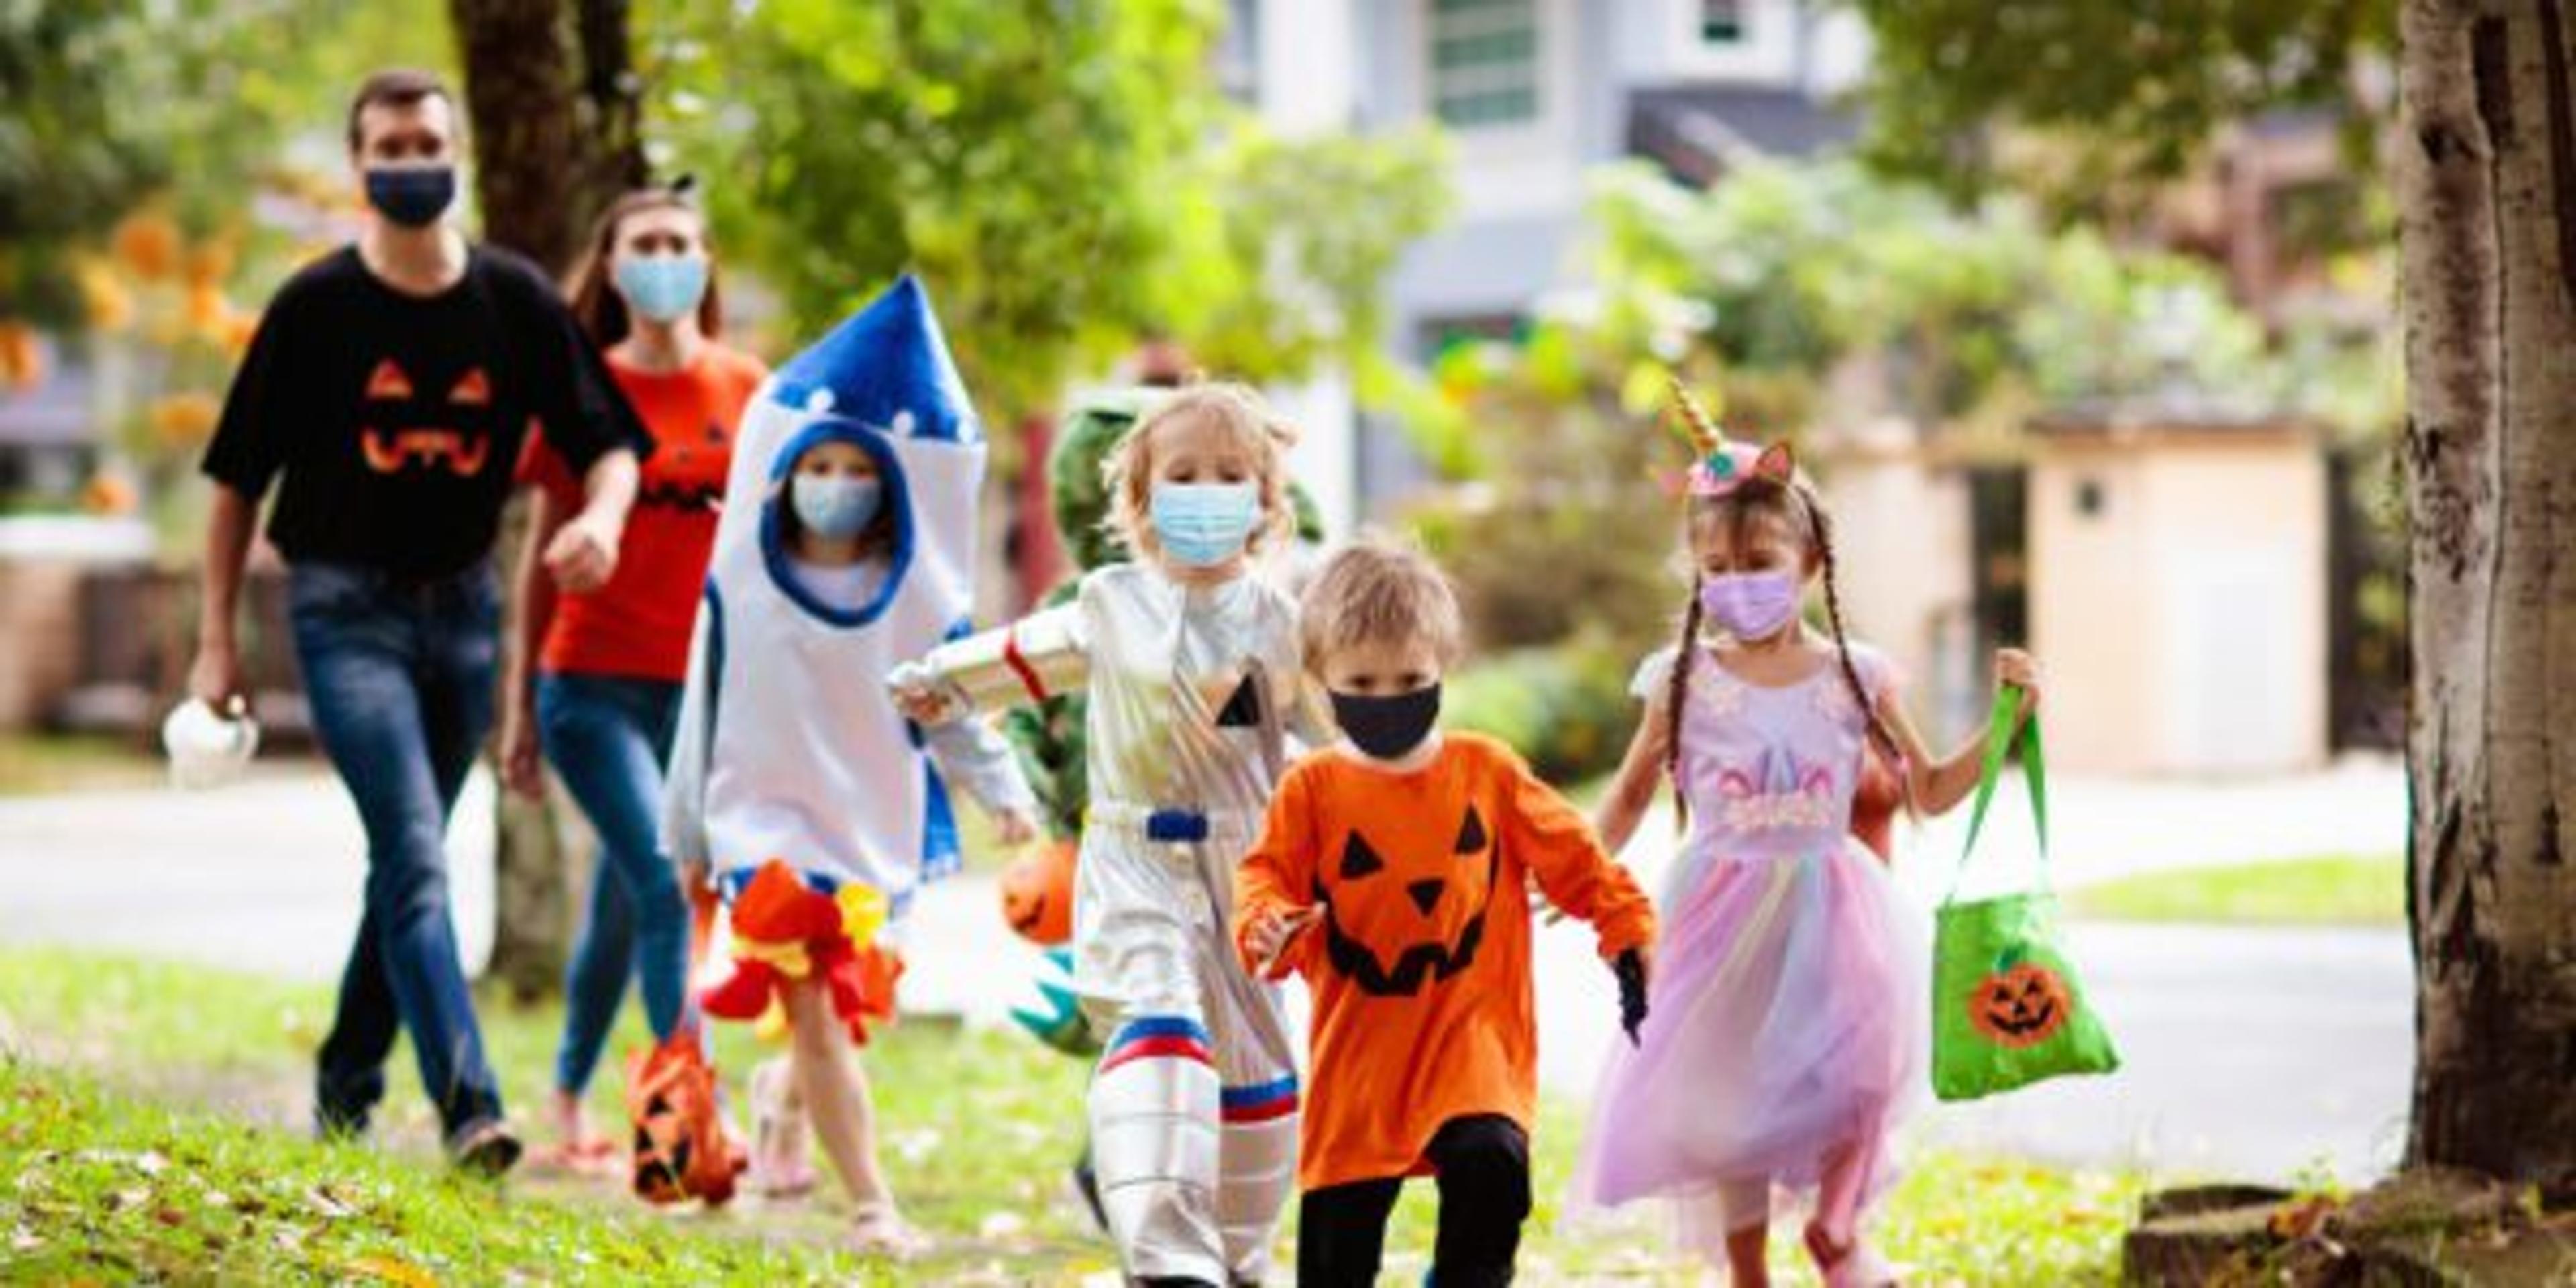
(664, 288)
(835, 507)
(1202, 525)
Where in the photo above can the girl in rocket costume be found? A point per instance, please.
(847, 544)
(1190, 663)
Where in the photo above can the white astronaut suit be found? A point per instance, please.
(1193, 693)
(787, 745)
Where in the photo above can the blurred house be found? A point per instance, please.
(2177, 587)
(48, 448)
(1532, 94)
(50, 548)
(2105, 542)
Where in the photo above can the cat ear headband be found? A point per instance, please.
(1719, 465)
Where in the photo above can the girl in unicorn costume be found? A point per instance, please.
(1190, 662)
(847, 544)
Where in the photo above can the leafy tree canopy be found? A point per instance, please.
(1064, 173)
(2099, 93)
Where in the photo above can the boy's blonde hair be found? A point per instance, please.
(1375, 591)
(1233, 407)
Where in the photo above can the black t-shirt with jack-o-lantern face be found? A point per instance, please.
(396, 420)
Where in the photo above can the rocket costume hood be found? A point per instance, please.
(788, 747)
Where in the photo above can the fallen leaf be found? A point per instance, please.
(395, 1272)
(326, 1204)
(2299, 1220)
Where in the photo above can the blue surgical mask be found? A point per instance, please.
(835, 507)
(1202, 525)
(412, 196)
(665, 288)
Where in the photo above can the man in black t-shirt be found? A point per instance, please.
(386, 393)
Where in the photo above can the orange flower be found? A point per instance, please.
(148, 244)
(238, 329)
(22, 361)
(184, 419)
(209, 313)
(108, 492)
(209, 263)
(105, 302)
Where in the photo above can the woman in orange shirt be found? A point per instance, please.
(596, 678)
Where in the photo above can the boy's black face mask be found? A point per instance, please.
(1388, 727)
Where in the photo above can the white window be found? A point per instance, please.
(1484, 61)
(1721, 22)
(1238, 52)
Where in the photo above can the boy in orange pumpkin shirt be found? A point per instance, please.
(1393, 873)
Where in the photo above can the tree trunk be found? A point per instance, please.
(556, 133)
(612, 100)
(2486, 177)
(525, 127)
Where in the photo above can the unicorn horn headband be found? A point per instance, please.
(1720, 465)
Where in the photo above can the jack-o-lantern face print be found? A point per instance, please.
(1037, 893)
(2021, 1004)
(1405, 901)
(444, 428)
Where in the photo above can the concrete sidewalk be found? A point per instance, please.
(2251, 1053)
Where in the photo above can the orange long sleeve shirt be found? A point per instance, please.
(1420, 965)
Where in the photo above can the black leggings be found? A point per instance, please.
(1482, 1165)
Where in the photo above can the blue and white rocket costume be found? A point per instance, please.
(788, 746)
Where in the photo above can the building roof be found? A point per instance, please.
(2164, 411)
(1485, 267)
(1698, 131)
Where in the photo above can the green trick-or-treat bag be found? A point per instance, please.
(2006, 1008)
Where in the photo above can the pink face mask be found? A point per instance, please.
(1750, 605)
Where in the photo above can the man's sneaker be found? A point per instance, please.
(483, 1147)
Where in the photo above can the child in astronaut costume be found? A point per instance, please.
(1190, 662)
(847, 544)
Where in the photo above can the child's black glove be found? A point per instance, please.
(1631, 970)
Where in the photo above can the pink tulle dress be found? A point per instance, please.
(1786, 1030)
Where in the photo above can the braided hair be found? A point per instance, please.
(1676, 692)
(1752, 501)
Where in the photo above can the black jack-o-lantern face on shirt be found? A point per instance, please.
(1405, 901)
(408, 428)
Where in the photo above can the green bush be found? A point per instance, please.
(1564, 708)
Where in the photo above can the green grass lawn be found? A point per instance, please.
(2335, 890)
(36, 763)
(153, 1117)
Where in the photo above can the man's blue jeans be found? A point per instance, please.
(610, 737)
(400, 673)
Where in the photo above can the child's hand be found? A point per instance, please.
(521, 766)
(1016, 826)
(918, 696)
(2019, 670)
(1272, 934)
(1633, 967)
